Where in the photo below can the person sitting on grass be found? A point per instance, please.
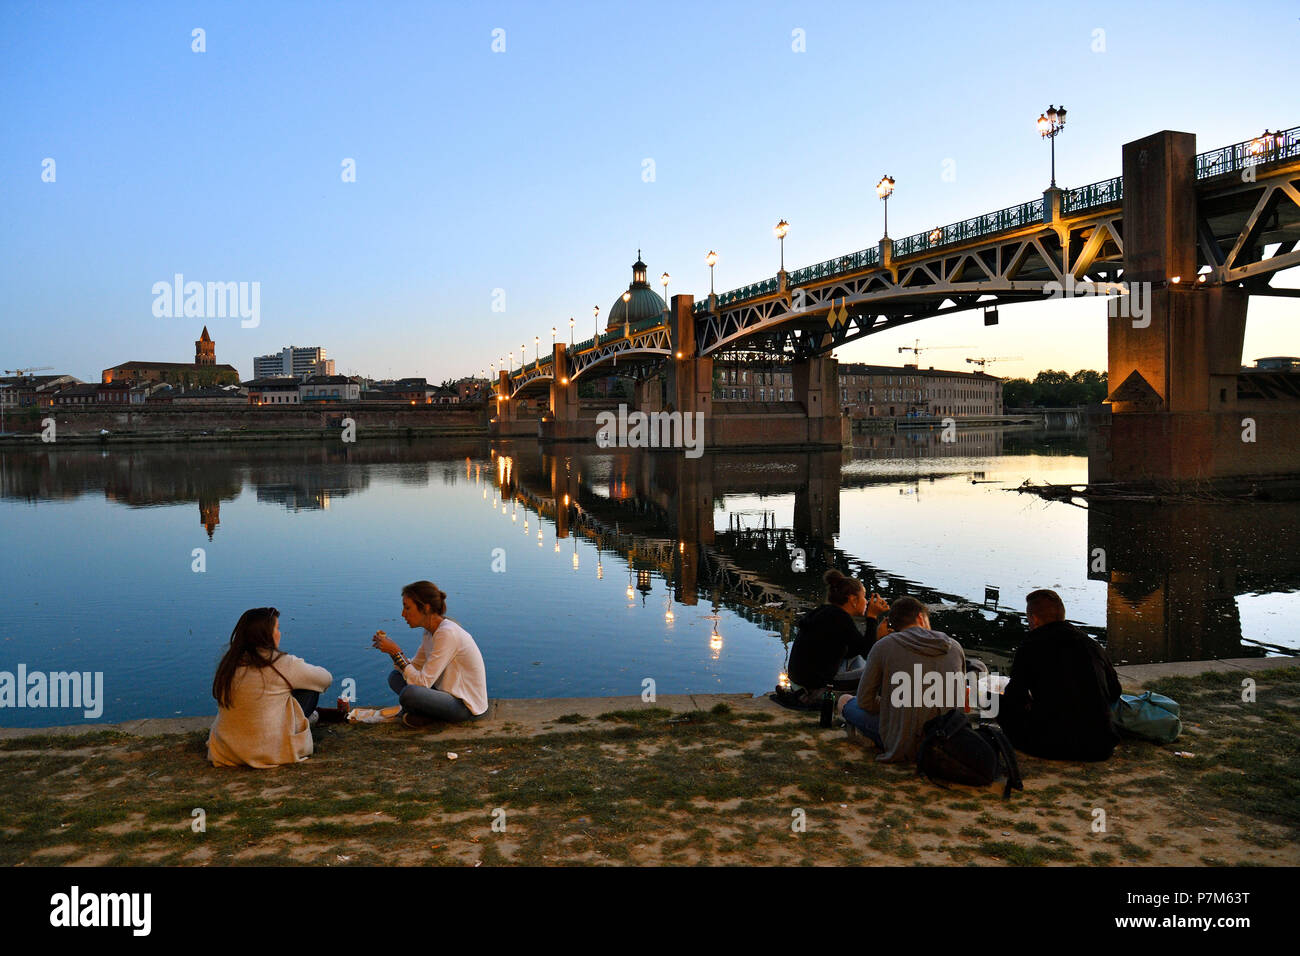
(446, 680)
(888, 709)
(1057, 704)
(828, 646)
(266, 699)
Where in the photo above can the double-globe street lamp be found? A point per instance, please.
(1049, 124)
(884, 189)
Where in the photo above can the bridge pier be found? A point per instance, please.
(1175, 346)
(505, 421)
(690, 376)
(562, 423)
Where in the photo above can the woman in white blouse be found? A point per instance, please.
(446, 680)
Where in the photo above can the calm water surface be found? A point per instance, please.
(582, 573)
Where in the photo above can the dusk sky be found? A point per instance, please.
(526, 170)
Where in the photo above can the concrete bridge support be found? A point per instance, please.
(690, 376)
(506, 421)
(1175, 346)
(561, 422)
(816, 384)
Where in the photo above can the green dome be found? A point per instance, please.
(645, 302)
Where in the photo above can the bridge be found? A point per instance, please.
(1180, 240)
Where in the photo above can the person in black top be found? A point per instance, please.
(827, 639)
(1057, 704)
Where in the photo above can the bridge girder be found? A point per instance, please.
(1018, 267)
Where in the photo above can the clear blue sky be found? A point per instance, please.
(523, 170)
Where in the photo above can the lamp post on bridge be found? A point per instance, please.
(570, 331)
(1049, 124)
(537, 349)
(627, 314)
(596, 310)
(664, 279)
(782, 228)
(884, 189)
(712, 260)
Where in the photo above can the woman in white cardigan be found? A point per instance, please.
(446, 680)
(264, 697)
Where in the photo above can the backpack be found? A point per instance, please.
(1151, 716)
(954, 750)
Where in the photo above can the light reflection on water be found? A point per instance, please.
(650, 565)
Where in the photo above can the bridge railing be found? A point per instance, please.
(833, 267)
(1091, 197)
(1284, 144)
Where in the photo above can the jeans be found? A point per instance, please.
(428, 702)
(307, 700)
(867, 723)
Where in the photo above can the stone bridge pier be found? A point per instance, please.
(1175, 346)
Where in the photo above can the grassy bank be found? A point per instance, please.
(725, 786)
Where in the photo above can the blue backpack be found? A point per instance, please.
(1150, 716)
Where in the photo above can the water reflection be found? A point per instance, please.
(702, 543)
(1175, 571)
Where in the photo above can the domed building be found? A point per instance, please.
(645, 302)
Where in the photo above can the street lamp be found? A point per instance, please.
(570, 331)
(712, 260)
(782, 228)
(596, 310)
(1049, 124)
(664, 279)
(627, 312)
(884, 189)
(537, 351)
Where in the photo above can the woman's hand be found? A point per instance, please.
(382, 642)
(877, 606)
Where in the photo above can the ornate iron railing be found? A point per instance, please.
(1012, 217)
(833, 267)
(1090, 197)
(1284, 144)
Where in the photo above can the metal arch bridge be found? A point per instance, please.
(1011, 255)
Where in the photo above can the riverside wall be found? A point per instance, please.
(170, 422)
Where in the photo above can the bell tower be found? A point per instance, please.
(205, 350)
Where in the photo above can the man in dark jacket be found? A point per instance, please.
(1057, 704)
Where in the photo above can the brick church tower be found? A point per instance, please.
(205, 350)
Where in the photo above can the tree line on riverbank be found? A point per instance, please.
(1055, 389)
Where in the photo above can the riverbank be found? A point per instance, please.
(692, 779)
(239, 423)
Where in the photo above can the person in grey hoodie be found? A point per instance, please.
(897, 695)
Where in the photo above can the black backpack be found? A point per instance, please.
(954, 750)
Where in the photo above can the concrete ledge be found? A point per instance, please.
(1137, 675)
(522, 716)
(531, 716)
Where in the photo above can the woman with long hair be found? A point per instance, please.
(264, 697)
(828, 645)
(446, 680)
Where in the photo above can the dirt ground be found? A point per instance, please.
(749, 785)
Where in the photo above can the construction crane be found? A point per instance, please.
(917, 349)
(981, 362)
